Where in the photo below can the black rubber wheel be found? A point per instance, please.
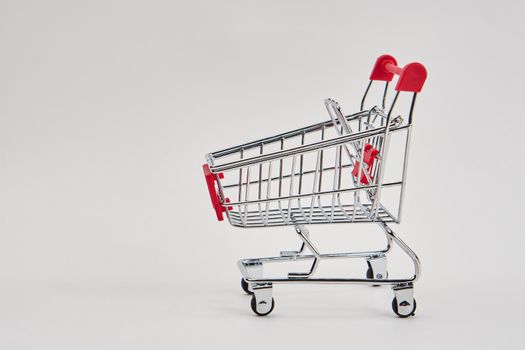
(244, 286)
(394, 307)
(253, 304)
(370, 275)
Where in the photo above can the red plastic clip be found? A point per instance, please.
(369, 156)
(211, 178)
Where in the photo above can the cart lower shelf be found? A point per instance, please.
(261, 288)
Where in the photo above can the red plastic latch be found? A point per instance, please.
(369, 156)
(227, 200)
(211, 178)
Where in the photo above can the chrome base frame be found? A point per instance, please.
(252, 271)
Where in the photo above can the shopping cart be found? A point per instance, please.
(327, 173)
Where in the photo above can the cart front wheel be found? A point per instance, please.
(244, 286)
(408, 314)
(253, 304)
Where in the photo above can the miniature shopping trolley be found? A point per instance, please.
(327, 173)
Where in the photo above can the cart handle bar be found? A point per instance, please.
(411, 77)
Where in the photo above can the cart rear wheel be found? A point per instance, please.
(370, 276)
(395, 308)
(253, 304)
(244, 286)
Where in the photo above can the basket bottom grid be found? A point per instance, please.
(305, 215)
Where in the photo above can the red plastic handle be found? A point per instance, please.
(211, 178)
(411, 77)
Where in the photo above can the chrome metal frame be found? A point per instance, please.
(282, 180)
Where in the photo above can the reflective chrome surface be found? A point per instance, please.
(304, 177)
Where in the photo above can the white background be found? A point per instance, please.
(107, 236)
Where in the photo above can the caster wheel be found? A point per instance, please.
(394, 307)
(244, 286)
(253, 304)
(370, 276)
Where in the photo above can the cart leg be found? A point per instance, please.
(300, 229)
(255, 271)
(388, 244)
(262, 302)
(377, 267)
(405, 248)
(404, 304)
(388, 237)
(304, 235)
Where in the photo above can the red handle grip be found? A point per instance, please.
(211, 178)
(411, 77)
